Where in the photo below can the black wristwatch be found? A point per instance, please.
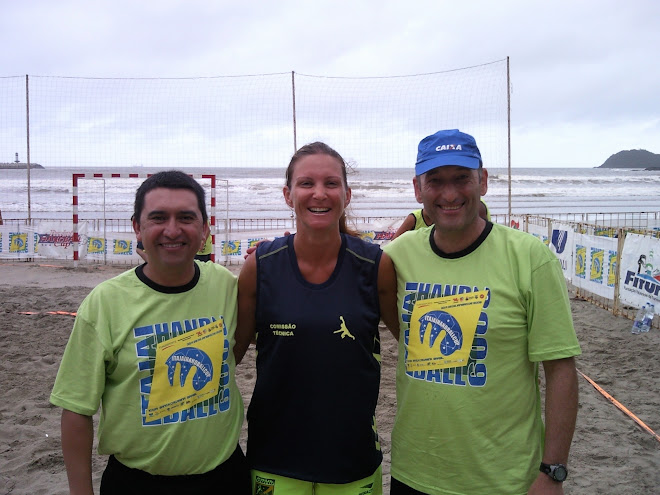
(557, 472)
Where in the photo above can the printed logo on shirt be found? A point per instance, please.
(283, 329)
(176, 387)
(184, 368)
(444, 331)
(190, 359)
(343, 329)
(264, 486)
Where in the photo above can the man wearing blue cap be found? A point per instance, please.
(480, 306)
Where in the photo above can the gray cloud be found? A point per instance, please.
(587, 68)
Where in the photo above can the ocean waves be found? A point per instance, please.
(257, 193)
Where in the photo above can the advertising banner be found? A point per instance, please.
(640, 271)
(595, 264)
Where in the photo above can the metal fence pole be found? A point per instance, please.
(293, 94)
(27, 134)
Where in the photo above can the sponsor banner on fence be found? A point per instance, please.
(380, 231)
(233, 246)
(111, 246)
(17, 241)
(595, 264)
(55, 240)
(561, 243)
(640, 271)
(48, 239)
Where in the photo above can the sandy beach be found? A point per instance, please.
(611, 454)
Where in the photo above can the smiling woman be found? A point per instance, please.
(330, 289)
(319, 168)
(318, 195)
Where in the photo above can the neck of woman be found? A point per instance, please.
(317, 254)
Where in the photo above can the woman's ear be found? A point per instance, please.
(287, 196)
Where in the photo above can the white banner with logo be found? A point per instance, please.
(109, 247)
(640, 271)
(55, 240)
(595, 264)
(17, 241)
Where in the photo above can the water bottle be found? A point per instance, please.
(648, 317)
(639, 319)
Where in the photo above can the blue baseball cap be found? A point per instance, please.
(448, 147)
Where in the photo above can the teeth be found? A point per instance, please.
(450, 207)
(319, 210)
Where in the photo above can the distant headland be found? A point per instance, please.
(633, 159)
(18, 166)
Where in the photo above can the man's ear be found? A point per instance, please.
(484, 182)
(136, 228)
(418, 190)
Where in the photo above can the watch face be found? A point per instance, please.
(560, 473)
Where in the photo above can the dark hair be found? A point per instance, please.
(169, 179)
(319, 148)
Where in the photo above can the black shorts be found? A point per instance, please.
(232, 477)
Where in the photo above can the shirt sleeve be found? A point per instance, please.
(80, 380)
(550, 323)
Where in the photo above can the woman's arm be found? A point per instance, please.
(387, 294)
(247, 306)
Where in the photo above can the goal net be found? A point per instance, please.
(102, 208)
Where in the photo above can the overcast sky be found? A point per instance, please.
(585, 74)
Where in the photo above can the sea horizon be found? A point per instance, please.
(252, 192)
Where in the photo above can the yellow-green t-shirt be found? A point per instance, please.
(477, 429)
(111, 361)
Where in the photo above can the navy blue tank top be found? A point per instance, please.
(312, 413)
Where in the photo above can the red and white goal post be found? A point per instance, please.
(78, 186)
